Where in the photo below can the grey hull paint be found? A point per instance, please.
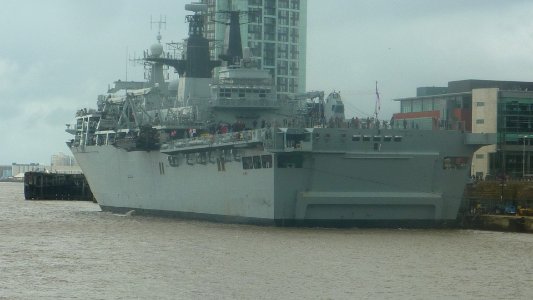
(286, 222)
(338, 181)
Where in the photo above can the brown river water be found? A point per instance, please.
(72, 250)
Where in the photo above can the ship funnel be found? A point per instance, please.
(232, 41)
(196, 7)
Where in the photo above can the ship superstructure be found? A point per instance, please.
(223, 146)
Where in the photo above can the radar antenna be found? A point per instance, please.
(196, 21)
(162, 23)
(154, 72)
(196, 62)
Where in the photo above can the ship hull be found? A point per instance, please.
(330, 185)
(321, 222)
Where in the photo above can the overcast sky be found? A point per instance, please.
(58, 55)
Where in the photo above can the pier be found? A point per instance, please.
(503, 223)
(56, 186)
(500, 206)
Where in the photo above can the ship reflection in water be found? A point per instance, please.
(65, 249)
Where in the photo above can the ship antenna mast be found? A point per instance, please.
(162, 23)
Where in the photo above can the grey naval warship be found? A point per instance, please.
(220, 144)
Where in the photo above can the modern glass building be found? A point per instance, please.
(274, 30)
(513, 116)
(440, 111)
(502, 107)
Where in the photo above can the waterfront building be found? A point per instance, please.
(502, 107)
(5, 172)
(274, 30)
(62, 163)
(18, 169)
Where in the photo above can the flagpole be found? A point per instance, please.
(378, 102)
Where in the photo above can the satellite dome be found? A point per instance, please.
(156, 50)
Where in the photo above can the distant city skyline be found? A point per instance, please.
(59, 162)
(58, 55)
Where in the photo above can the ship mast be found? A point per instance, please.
(156, 75)
(161, 23)
(196, 62)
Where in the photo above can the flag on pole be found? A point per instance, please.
(378, 101)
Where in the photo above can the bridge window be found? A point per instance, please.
(257, 162)
(173, 160)
(266, 161)
(221, 164)
(290, 160)
(454, 163)
(247, 163)
(111, 138)
(225, 93)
